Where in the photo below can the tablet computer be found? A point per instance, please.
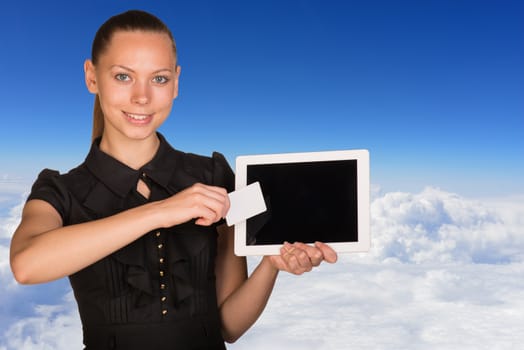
(309, 196)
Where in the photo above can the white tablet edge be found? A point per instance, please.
(363, 193)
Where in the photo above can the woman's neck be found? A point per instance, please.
(133, 153)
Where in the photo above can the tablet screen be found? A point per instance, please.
(306, 202)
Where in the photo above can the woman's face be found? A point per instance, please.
(136, 78)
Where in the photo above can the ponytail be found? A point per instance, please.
(98, 119)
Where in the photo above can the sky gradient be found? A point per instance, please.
(433, 89)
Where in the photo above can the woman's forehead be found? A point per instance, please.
(140, 47)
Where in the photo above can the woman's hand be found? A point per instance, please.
(298, 258)
(206, 204)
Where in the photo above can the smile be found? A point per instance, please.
(139, 117)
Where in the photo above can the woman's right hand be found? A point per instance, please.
(40, 241)
(207, 204)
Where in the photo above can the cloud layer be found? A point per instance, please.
(438, 226)
(442, 274)
(394, 306)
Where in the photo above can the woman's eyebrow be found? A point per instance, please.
(132, 71)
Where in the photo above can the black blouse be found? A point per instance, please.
(159, 291)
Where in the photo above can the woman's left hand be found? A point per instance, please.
(298, 258)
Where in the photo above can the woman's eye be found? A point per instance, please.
(160, 79)
(122, 77)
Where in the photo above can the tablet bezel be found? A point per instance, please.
(363, 196)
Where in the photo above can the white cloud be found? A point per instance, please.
(10, 223)
(11, 190)
(443, 273)
(51, 327)
(372, 305)
(439, 226)
(10, 212)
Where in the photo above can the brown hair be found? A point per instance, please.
(133, 20)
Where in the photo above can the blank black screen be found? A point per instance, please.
(307, 202)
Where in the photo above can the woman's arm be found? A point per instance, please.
(241, 300)
(42, 249)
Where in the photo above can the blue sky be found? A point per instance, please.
(434, 89)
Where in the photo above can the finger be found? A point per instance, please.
(219, 208)
(227, 205)
(303, 258)
(206, 207)
(286, 253)
(329, 254)
(314, 254)
(291, 260)
(288, 247)
(205, 216)
(214, 198)
(219, 194)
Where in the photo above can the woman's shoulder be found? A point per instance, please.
(75, 177)
(201, 161)
(66, 192)
(56, 188)
(214, 170)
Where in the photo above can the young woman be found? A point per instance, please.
(138, 226)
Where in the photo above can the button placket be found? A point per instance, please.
(161, 272)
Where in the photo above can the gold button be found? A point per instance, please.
(161, 260)
(164, 312)
(162, 286)
(160, 246)
(157, 234)
(163, 299)
(161, 273)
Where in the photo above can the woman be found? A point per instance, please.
(138, 226)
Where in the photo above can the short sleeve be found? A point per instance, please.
(223, 175)
(49, 188)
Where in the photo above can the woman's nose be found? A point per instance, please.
(141, 93)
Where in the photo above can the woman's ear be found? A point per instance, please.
(90, 76)
(177, 76)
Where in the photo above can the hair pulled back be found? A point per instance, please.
(133, 20)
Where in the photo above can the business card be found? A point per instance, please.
(245, 203)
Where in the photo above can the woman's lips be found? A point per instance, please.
(138, 118)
